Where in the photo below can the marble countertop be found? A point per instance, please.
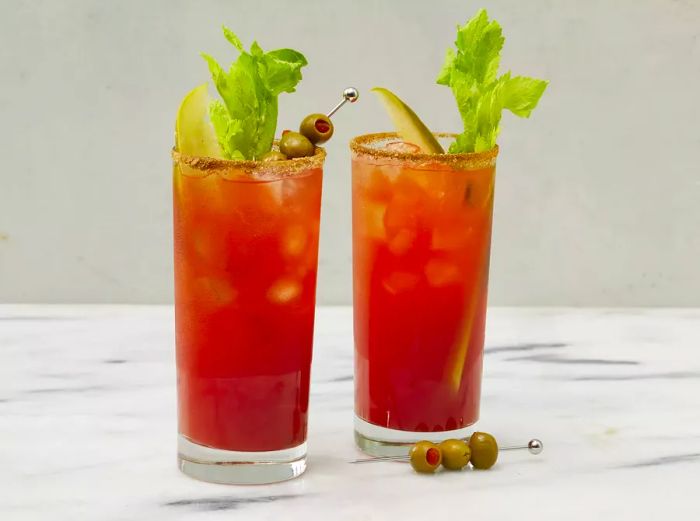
(87, 423)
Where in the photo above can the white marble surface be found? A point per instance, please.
(87, 423)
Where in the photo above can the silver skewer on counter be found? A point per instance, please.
(534, 446)
(350, 94)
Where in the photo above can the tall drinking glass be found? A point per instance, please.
(421, 240)
(246, 248)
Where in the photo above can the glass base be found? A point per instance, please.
(380, 441)
(239, 468)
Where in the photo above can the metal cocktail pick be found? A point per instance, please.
(350, 94)
(534, 446)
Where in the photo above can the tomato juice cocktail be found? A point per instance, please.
(421, 240)
(246, 245)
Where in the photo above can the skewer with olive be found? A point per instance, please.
(315, 129)
(481, 450)
(455, 454)
(425, 457)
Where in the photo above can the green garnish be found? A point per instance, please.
(246, 120)
(471, 73)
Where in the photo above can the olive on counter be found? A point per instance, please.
(484, 450)
(455, 454)
(318, 128)
(293, 145)
(425, 457)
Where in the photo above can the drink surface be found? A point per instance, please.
(245, 280)
(421, 240)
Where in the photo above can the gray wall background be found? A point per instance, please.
(598, 195)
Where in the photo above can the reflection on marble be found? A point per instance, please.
(87, 423)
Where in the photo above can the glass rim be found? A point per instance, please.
(251, 169)
(361, 146)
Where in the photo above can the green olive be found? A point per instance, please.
(273, 155)
(455, 454)
(317, 127)
(294, 145)
(484, 450)
(425, 457)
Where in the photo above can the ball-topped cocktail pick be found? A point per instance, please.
(534, 446)
(350, 94)
(318, 128)
(315, 129)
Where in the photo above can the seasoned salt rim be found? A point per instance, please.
(361, 146)
(249, 169)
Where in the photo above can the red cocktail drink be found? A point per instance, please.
(421, 240)
(246, 246)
